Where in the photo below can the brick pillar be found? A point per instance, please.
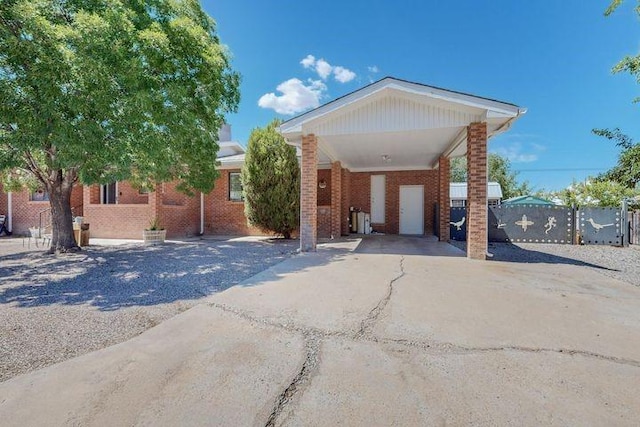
(336, 199)
(309, 194)
(346, 200)
(443, 198)
(477, 191)
(86, 195)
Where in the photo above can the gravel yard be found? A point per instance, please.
(619, 263)
(53, 308)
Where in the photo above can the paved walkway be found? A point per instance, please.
(355, 337)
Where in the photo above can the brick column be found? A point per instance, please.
(336, 199)
(346, 200)
(309, 194)
(86, 195)
(443, 198)
(477, 191)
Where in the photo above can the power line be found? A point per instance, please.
(561, 169)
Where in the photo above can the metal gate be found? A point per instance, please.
(458, 224)
(550, 224)
(600, 226)
(531, 224)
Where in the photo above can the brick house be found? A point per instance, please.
(384, 149)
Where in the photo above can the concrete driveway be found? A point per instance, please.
(356, 336)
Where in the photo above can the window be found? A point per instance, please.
(494, 202)
(39, 196)
(235, 187)
(458, 203)
(108, 194)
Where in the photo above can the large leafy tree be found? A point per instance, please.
(93, 91)
(499, 171)
(271, 182)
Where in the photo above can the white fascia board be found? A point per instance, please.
(459, 98)
(231, 165)
(234, 145)
(494, 108)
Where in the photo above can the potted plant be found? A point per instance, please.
(155, 234)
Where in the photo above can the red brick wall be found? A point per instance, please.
(223, 216)
(26, 212)
(177, 213)
(324, 221)
(346, 200)
(127, 195)
(360, 195)
(324, 194)
(117, 221)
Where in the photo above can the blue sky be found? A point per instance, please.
(552, 57)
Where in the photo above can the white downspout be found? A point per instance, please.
(201, 214)
(10, 211)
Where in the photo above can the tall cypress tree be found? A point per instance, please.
(271, 182)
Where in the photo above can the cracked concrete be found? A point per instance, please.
(366, 338)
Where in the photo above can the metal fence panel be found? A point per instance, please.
(600, 226)
(458, 224)
(531, 224)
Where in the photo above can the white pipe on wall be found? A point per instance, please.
(10, 211)
(201, 213)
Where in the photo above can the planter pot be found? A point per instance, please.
(154, 237)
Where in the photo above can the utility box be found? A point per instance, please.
(367, 223)
(360, 222)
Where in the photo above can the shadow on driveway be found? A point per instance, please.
(111, 278)
(508, 252)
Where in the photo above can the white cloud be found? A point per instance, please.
(296, 96)
(309, 61)
(517, 154)
(324, 69)
(343, 75)
(373, 69)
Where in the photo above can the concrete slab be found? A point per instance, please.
(480, 304)
(203, 367)
(406, 245)
(329, 290)
(365, 384)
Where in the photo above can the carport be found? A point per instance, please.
(388, 147)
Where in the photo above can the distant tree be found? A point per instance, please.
(627, 171)
(595, 193)
(458, 169)
(629, 64)
(105, 90)
(499, 171)
(271, 182)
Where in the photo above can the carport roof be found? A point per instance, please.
(395, 124)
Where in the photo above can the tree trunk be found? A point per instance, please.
(286, 234)
(62, 239)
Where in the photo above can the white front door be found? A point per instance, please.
(377, 199)
(412, 209)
